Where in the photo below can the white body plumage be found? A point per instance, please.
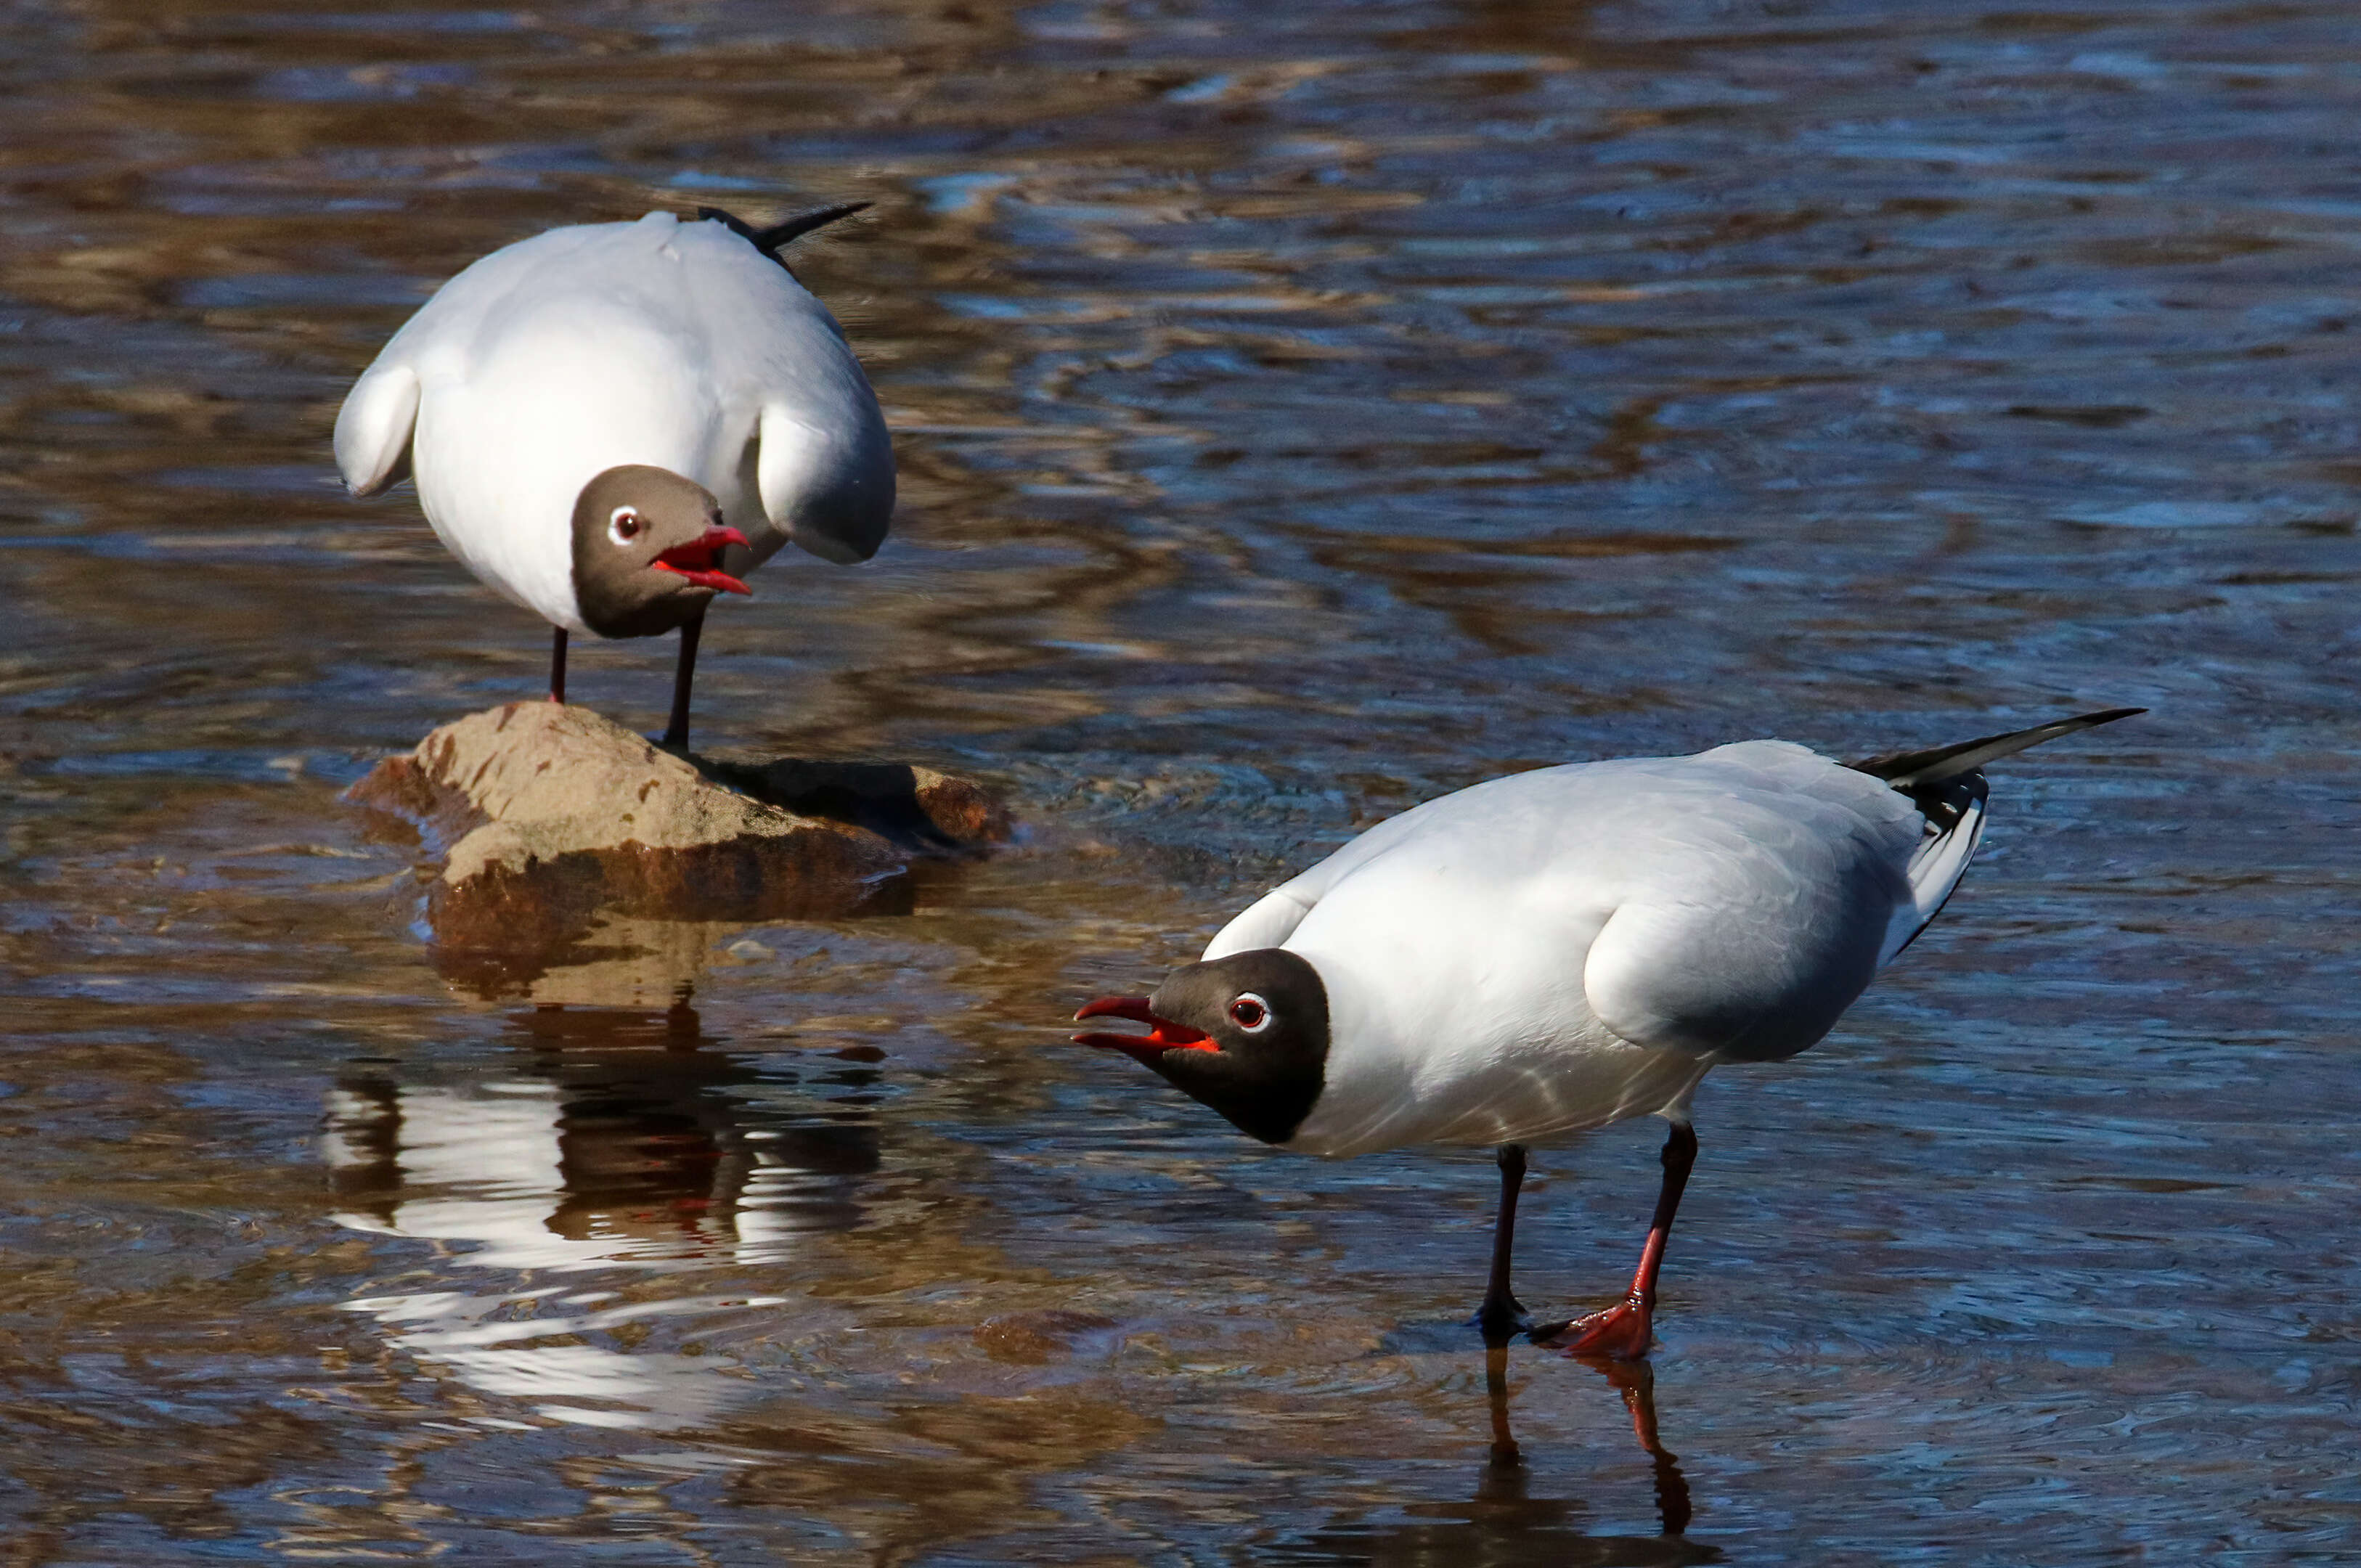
(1560, 949)
(677, 345)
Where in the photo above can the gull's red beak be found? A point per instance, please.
(1163, 1035)
(700, 561)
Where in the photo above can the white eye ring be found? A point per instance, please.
(624, 524)
(1252, 1006)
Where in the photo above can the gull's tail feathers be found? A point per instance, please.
(1947, 783)
(1910, 772)
(771, 241)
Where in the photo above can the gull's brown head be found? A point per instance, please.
(1248, 1034)
(648, 548)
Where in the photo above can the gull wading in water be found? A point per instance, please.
(1560, 949)
(611, 424)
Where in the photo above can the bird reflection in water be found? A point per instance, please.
(624, 1146)
(1636, 1382)
(1504, 1525)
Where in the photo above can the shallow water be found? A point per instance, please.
(1302, 410)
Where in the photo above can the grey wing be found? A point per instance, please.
(827, 479)
(374, 425)
(822, 459)
(1751, 946)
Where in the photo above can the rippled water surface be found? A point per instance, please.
(1303, 408)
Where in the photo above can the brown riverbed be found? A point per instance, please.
(1303, 409)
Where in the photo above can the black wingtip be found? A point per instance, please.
(1913, 771)
(772, 240)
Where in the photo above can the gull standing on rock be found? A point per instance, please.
(611, 424)
(1560, 949)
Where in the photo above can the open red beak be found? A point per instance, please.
(700, 561)
(1163, 1034)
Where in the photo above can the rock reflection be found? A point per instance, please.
(617, 962)
(1503, 1525)
(626, 1145)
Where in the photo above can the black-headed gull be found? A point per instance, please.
(612, 423)
(1556, 951)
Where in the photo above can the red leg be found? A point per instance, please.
(1623, 1330)
(557, 665)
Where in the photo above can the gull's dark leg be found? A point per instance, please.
(1621, 1330)
(1501, 1318)
(557, 665)
(676, 732)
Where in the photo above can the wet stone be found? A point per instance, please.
(553, 818)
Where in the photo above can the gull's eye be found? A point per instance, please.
(1250, 1013)
(625, 524)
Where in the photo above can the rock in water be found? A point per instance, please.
(554, 816)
